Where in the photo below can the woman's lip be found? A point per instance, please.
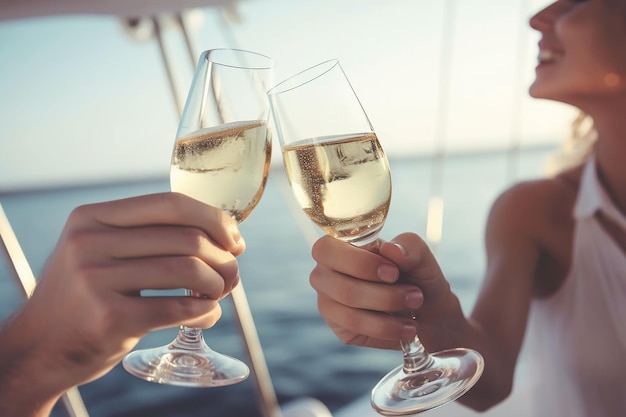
(545, 64)
(549, 56)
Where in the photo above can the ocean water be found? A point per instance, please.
(304, 357)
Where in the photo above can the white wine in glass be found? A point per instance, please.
(328, 176)
(225, 165)
(221, 157)
(340, 176)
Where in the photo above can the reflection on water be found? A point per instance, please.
(304, 357)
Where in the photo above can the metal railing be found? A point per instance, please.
(72, 400)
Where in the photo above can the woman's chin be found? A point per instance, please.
(536, 90)
(546, 92)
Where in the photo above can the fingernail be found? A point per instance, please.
(407, 332)
(388, 273)
(414, 299)
(401, 248)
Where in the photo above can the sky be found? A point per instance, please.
(82, 100)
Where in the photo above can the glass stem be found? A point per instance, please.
(189, 337)
(416, 357)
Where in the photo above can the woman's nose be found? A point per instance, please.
(543, 20)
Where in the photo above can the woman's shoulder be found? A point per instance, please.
(539, 200)
(536, 217)
(561, 188)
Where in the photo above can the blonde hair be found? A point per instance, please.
(576, 148)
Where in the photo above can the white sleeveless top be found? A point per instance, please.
(577, 337)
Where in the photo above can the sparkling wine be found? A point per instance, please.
(343, 183)
(225, 166)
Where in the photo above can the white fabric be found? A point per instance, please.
(577, 337)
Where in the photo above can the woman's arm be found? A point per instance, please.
(357, 289)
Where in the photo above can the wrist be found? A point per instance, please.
(27, 388)
(17, 400)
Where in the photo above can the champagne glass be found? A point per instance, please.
(221, 157)
(340, 176)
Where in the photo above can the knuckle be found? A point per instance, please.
(190, 266)
(194, 239)
(230, 270)
(230, 281)
(231, 284)
(200, 278)
(176, 202)
(77, 238)
(76, 244)
(218, 216)
(347, 296)
(315, 278)
(80, 212)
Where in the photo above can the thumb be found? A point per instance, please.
(416, 263)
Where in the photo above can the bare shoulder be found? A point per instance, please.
(536, 217)
(530, 201)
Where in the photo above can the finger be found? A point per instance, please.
(372, 325)
(363, 294)
(165, 273)
(154, 313)
(162, 241)
(351, 260)
(417, 264)
(163, 209)
(411, 253)
(104, 247)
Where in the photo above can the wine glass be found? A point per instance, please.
(340, 176)
(221, 157)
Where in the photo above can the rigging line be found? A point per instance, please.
(434, 220)
(185, 31)
(227, 17)
(158, 34)
(516, 122)
(72, 401)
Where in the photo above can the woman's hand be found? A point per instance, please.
(358, 289)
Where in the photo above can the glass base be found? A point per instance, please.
(172, 365)
(452, 373)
